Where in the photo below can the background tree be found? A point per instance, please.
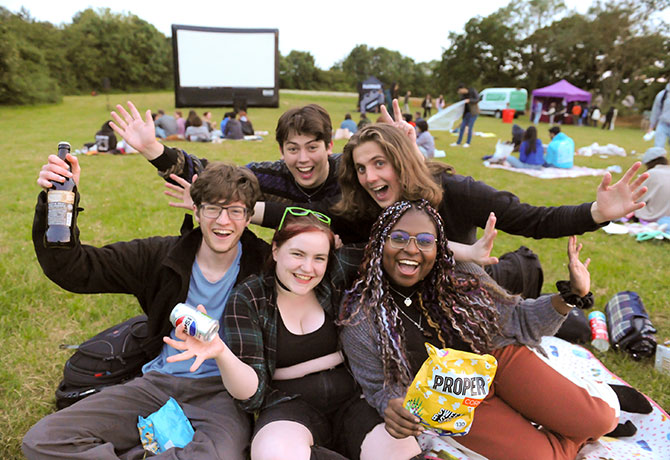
(24, 68)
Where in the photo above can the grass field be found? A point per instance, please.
(122, 197)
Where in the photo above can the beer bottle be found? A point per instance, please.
(61, 208)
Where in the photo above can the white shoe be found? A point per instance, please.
(455, 144)
(466, 146)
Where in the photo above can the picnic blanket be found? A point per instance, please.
(641, 231)
(551, 173)
(651, 442)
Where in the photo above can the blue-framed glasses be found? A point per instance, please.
(400, 239)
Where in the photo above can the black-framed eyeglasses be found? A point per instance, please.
(213, 211)
(400, 239)
(299, 212)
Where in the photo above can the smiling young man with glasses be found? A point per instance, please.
(199, 267)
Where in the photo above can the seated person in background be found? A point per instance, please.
(517, 137)
(167, 123)
(207, 121)
(247, 127)
(657, 197)
(198, 131)
(226, 117)
(349, 124)
(424, 139)
(233, 128)
(560, 151)
(531, 151)
(105, 139)
(408, 118)
(364, 121)
(181, 123)
(189, 120)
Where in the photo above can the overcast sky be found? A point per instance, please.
(417, 29)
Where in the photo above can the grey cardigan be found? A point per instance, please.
(525, 322)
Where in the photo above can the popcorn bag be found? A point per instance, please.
(448, 388)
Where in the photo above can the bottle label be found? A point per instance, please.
(60, 207)
(60, 196)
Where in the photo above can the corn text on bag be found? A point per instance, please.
(448, 388)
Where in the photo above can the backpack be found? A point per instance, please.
(520, 272)
(113, 356)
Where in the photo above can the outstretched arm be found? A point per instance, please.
(240, 379)
(480, 251)
(139, 133)
(615, 201)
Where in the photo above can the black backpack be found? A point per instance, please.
(113, 356)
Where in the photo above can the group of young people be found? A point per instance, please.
(320, 342)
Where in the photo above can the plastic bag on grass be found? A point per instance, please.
(448, 388)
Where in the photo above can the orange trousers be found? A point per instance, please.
(524, 390)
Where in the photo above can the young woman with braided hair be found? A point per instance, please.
(410, 291)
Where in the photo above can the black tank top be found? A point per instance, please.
(295, 349)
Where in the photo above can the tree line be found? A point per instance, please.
(617, 48)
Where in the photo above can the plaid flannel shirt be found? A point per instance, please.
(250, 321)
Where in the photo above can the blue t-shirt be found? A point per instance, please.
(531, 158)
(214, 297)
(350, 125)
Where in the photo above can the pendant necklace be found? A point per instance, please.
(408, 298)
(425, 333)
(309, 195)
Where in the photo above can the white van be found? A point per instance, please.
(492, 101)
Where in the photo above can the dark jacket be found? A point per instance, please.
(277, 184)
(155, 270)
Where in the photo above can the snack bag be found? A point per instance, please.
(448, 388)
(166, 428)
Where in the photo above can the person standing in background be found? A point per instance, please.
(660, 117)
(470, 113)
(405, 106)
(427, 106)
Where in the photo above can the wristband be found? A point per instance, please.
(571, 298)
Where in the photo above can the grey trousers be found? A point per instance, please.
(104, 425)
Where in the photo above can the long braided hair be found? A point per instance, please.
(452, 303)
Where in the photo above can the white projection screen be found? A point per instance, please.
(218, 67)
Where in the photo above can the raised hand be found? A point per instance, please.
(399, 121)
(140, 134)
(191, 347)
(580, 278)
(57, 170)
(481, 250)
(620, 199)
(399, 422)
(182, 192)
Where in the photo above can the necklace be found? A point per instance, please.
(408, 298)
(418, 325)
(309, 195)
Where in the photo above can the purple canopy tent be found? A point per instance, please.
(564, 90)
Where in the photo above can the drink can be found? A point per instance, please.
(599, 336)
(196, 324)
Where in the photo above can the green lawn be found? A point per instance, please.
(122, 197)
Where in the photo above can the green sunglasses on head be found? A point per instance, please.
(299, 212)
